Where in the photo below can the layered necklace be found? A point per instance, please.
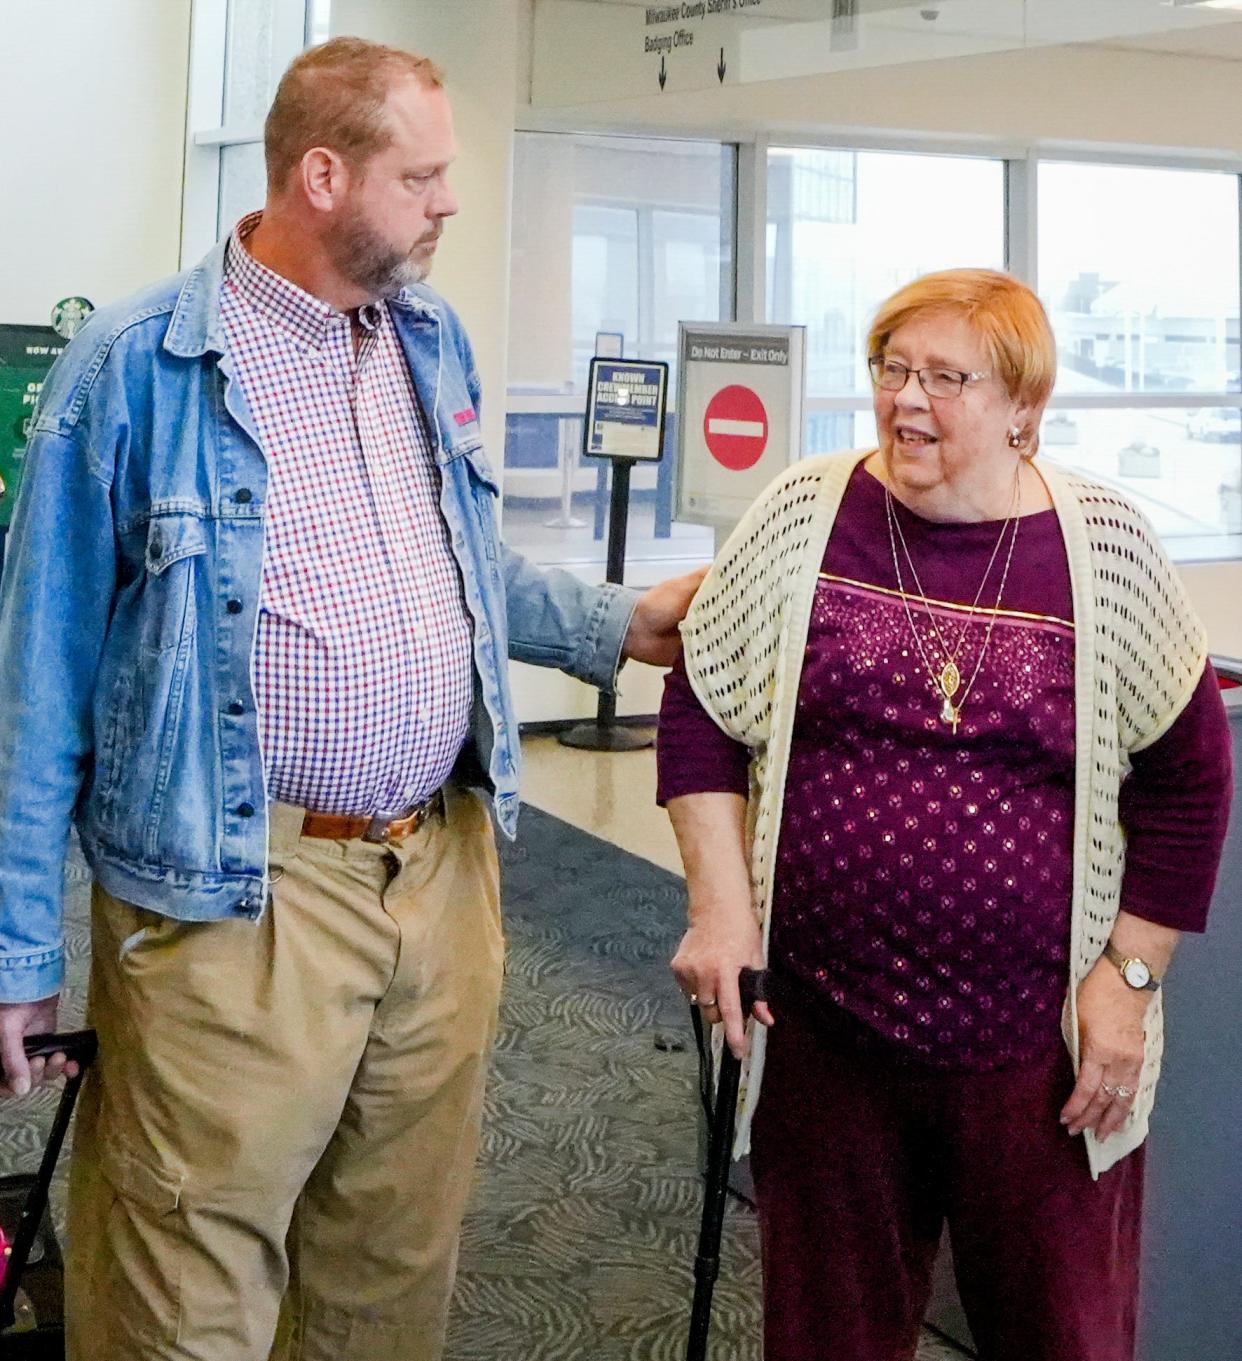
(946, 678)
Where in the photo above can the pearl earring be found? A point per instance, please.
(1015, 438)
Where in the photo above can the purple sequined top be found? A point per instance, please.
(923, 876)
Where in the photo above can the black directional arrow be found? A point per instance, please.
(663, 72)
(720, 67)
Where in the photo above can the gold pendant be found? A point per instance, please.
(948, 714)
(950, 679)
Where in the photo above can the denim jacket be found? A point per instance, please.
(130, 604)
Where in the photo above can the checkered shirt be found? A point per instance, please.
(363, 669)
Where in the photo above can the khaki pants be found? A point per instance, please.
(274, 1151)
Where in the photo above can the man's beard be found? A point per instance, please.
(370, 263)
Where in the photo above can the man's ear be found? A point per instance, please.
(324, 177)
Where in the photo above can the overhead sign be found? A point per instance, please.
(657, 48)
(739, 415)
(626, 404)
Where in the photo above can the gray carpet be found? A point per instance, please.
(581, 1238)
(582, 1235)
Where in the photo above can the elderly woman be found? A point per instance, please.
(946, 756)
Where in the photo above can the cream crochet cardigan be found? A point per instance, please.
(1140, 653)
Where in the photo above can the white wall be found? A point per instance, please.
(92, 136)
(1216, 591)
(1079, 95)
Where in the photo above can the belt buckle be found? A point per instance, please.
(377, 832)
(382, 833)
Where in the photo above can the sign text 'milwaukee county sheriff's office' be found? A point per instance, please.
(695, 9)
(689, 9)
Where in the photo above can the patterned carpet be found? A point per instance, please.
(581, 1239)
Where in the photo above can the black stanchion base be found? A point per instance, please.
(598, 737)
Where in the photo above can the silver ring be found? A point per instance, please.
(1121, 1093)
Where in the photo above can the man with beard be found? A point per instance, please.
(252, 643)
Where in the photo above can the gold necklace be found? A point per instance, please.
(947, 681)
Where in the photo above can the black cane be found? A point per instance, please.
(723, 1113)
(79, 1046)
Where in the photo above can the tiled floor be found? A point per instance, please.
(611, 795)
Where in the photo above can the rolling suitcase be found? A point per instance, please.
(32, 1270)
(721, 1116)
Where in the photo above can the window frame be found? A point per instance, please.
(298, 24)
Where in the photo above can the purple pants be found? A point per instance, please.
(860, 1157)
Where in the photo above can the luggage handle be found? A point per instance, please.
(80, 1047)
(722, 1115)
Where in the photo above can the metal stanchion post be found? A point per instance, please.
(603, 734)
(567, 462)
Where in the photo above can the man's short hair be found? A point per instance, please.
(333, 96)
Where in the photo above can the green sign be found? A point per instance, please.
(26, 354)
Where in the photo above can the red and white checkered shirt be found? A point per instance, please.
(363, 668)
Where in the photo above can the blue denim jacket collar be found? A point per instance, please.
(195, 327)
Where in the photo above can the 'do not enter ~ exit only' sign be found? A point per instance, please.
(735, 427)
(739, 415)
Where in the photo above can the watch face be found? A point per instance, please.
(1136, 973)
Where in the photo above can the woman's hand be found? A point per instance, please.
(723, 938)
(1111, 1015)
(1110, 1035)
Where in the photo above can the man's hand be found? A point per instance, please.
(652, 636)
(17, 1020)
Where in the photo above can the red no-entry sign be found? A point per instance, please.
(735, 427)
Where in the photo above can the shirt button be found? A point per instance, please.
(235, 707)
(233, 606)
(243, 496)
(245, 810)
(155, 547)
(244, 907)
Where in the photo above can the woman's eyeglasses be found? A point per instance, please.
(890, 376)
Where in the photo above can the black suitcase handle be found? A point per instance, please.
(722, 1115)
(80, 1046)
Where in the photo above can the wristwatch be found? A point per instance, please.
(1136, 972)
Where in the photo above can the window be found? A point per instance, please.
(239, 50)
(845, 229)
(614, 235)
(1138, 267)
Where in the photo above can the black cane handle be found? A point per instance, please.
(752, 985)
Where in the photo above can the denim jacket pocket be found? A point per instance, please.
(168, 590)
(484, 492)
(480, 465)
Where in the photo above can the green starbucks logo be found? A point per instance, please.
(69, 316)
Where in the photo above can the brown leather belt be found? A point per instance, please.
(357, 826)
